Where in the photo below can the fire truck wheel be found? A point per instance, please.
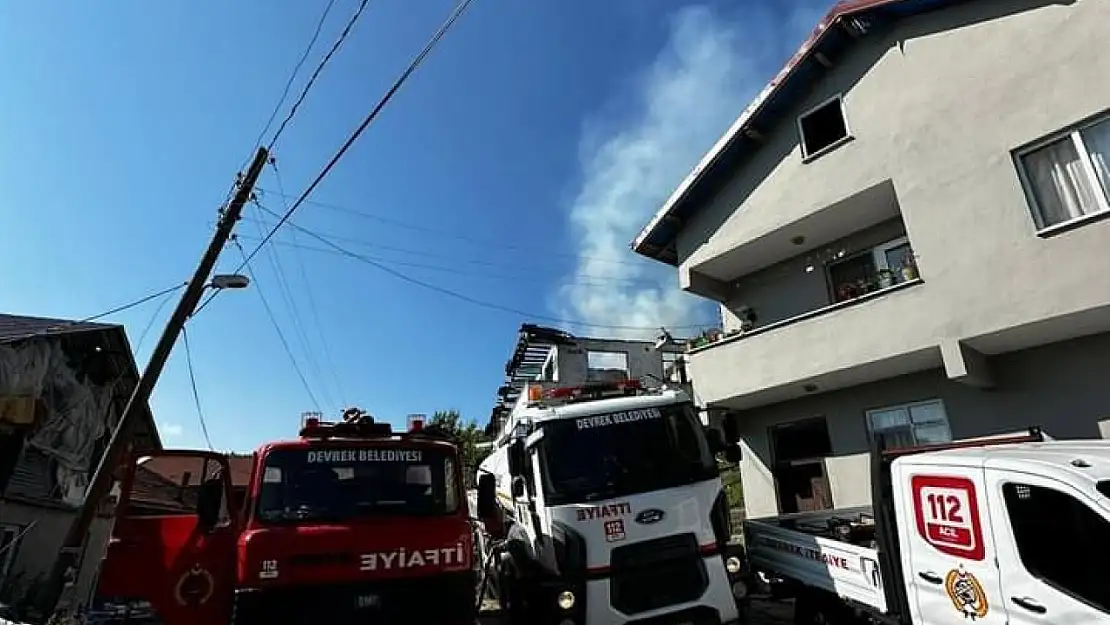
(511, 597)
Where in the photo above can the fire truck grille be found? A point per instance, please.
(657, 573)
(444, 599)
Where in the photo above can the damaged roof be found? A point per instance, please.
(17, 327)
(848, 21)
(14, 328)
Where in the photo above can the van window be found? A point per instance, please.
(1061, 541)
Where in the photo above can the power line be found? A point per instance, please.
(150, 323)
(290, 302)
(453, 267)
(319, 68)
(293, 77)
(581, 280)
(130, 305)
(117, 309)
(313, 308)
(370, 117)
(500, 245)
(193, 383)
(277, 107)
(472, 300)
(277, 327)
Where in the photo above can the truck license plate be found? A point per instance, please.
(367, 601)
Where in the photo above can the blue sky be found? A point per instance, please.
(514, 167)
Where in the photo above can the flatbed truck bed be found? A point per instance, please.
(833, 550)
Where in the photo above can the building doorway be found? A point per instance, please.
(798, 452)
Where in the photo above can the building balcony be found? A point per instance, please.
(750, 242)
(875, 335)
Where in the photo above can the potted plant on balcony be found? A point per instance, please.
(886, 278)
(747, 317)
(909, 268)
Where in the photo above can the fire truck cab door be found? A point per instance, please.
(171, 557)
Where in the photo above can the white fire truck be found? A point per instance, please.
(604, 505)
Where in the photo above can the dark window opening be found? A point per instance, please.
(822, 127)
(798, 451)
(1067, 548)
(606, 366)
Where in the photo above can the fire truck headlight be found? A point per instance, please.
(566, 600)
(739, 590)
(732, 565)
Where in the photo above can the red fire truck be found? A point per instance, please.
(350, 523)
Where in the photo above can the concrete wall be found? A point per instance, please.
(1060, 387)
(39, 546)
(642, 358)
(937, 107)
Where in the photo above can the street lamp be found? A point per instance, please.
(229, 281)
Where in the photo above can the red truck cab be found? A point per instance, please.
(349, 523)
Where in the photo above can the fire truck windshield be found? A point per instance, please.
(616, 454)
(342, 483)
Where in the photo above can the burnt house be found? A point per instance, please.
(63, 387)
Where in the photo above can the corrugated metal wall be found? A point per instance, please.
(32, 477)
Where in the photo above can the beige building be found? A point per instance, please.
(909, 236)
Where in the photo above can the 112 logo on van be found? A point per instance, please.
(947, 513)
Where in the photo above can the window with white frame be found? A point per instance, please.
(909, 425)
(1067, 177)
(881, 267)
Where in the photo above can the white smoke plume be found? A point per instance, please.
(708, 72)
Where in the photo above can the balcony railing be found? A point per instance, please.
(711, 339)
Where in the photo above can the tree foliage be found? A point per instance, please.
(469, 435)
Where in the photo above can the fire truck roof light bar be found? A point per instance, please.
(569, 394)
(320, 430)
(314, 428)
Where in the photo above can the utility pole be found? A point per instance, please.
(65, 569)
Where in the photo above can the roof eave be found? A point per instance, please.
(664, 251)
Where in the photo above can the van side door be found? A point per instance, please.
(948, 553)
(1054, 546)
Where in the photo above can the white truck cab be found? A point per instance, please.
(1009, 531)
(611, 509)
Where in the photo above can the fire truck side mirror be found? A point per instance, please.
(517, 456)
(718, 444)
(733, 453)
(487, 496)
